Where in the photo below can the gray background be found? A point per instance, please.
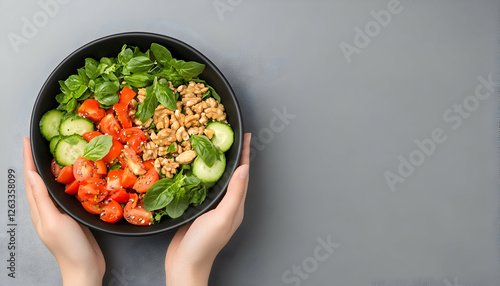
(321, 175)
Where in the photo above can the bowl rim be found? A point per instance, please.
(34, 126)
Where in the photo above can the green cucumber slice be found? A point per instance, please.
(49, 123)
(223, 137)
(69, 149)
(209, 174)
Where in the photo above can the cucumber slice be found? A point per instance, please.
(223, 137)
(75, 125)
(209, 174)
(68, 149)
(53, 143)
(49, 123)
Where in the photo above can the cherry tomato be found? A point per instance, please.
(121, 111)
(144, 182)
(83, 169)
(120, 195)
(92, 190)
(111, 211)
(90, 109)
(128, 178)
(115, 150)
(126, 95)
(92, 208)
(133, 161)
(113, 180)
(55, 168)
(128, 133)
(72, 188)
(149, 164)
(135, 213)
(109, 125)
(100, 167)
(91, 135)
(66, 175)
(110, 111)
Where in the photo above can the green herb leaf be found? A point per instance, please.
(178, 205)
(162, 55)
(205, 149)
(71, 105)
(91, 68)
(105, 93)
(73, 82)
(83, 76)
(148, 106)
(187, 70)
(139, 79)
(98, 147)
(63, 97)
(165, 95)
(160, 194)
(125, 55)
(115, 167)
(139, 64)
(171, 148)
(80, 91)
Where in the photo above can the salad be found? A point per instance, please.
(138, 136)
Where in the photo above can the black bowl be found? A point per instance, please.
(110, 46)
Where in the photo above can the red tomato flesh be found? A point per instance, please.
(144, 182)
(90, 109)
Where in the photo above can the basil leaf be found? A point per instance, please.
(205, 149)
(198, 195)
(98, 147)
(162, 55)
(125, 55)
(139, 64)
(187, 70)
(105, 93)
(64, 88)
(63, 97)
(171, 148)
(178, 205)
(73, 82)
(80, 91)
(165, 95)
(91, 68)
(83, 76)
(115, 167)
(160, 194)
(71, 105)
(147, 108)
(214, 93)
(139, 79)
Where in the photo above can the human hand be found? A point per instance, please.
(194, 247)
(74, 247)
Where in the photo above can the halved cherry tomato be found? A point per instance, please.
(92, 190)
(55, 168)
(122, 162)
(83, 169)
(149, 164)
(90, 109)
(120, 195)
(121, 110)
(133, 161)
(92, 208)
(135, 137)
(66, 175)
(100, 167)
(72, 188)
(128, 178)
(127, 95)
(135, 213)
(110, 111)
(113, 180)
(144, 182)
(115, 150)
(112, 211)
(109, 125)
(91, 135)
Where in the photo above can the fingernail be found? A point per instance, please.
(244, 172)
(31, 178)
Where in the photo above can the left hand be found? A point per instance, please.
(74, 247)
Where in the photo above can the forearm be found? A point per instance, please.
(188, 275)
(75, 276)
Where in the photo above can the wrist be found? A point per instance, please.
(189, 274)
(75, 276)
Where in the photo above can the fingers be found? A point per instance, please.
(28, 167)
(245, 155)
(236, 192)
(46, 208)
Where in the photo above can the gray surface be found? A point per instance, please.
(321, 176)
